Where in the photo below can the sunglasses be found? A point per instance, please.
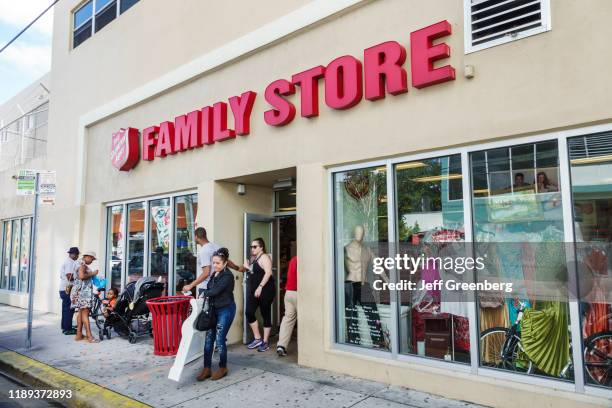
(254, 246)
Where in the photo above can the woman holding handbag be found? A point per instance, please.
(220, 294)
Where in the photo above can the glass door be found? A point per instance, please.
(259, 226)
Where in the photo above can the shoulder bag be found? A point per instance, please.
(207, 319)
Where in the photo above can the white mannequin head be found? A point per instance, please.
(358, 233)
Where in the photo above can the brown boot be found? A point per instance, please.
(204, 374)
(220, 373)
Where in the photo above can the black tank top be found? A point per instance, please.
(257, 277)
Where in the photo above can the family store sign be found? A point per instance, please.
(346, 81)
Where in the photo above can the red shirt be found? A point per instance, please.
(292, 275)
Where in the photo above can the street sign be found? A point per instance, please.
(26, 182)
(47, 184)
(47, 187)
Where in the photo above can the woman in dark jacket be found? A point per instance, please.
(221, 292)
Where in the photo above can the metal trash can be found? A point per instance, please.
(168, 314)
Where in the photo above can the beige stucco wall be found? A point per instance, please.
(533, 85)
(153, 37)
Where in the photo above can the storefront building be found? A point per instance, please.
(343, 131)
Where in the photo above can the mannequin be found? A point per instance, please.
(357, 257)
(357, 291)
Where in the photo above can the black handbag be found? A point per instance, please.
(207, 319)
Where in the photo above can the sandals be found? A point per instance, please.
(92, 340)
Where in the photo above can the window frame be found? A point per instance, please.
(94, 15)
(102, 10)
(171, 281)
(3, 222)
(467, 28)
(578, 385)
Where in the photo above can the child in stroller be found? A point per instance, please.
(130, 316)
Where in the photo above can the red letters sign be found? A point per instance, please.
(124, 150)
(346, 82)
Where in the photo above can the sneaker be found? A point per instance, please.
(254, 344)
(263, 346)
(280, 350)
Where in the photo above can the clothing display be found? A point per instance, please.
(357, 294)
(545, 336)
(492, 317)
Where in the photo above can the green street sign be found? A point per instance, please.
(26, 182)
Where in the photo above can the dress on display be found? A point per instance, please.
(544, 328)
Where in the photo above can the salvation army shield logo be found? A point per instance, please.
(124, 149)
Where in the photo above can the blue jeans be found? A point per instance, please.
(67, 312)
(225, 317)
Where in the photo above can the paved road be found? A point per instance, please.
(7, 385)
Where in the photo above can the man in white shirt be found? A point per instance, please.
(67, 272)
(204, 261)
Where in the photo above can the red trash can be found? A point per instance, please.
(168, 314)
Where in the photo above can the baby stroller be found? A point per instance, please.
(130, 317)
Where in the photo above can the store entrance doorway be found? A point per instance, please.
(280, 235)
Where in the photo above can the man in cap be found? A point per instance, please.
(67, 272)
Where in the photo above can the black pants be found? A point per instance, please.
(358, 294)
(263, 302)
(67, 312)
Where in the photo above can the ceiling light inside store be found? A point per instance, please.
(283, 184)
(429, 179)
(589, 160)
(411, 165)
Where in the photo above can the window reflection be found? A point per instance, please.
(15, 255)
(6, 261)
(429, 197)
(115, 244)
(25, 254)
(518, 226)
(360, 208)
(135, 244)
(591, 172)
(185, 210)
(159, 244)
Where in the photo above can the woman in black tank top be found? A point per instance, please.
(260, 293)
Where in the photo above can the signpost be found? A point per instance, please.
(25, 182)
(40, 184)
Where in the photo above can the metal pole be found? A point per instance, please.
(32, 265)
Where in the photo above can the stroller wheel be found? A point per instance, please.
(108, 333)
(132, 338)
(101, 334)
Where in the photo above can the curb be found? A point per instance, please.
(85, 394)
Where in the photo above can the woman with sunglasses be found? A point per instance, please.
(221, 291)
(260, 293)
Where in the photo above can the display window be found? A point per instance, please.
(15, 254)
(159, 233)
(360, 214)
(432, 322)
(115, 244)
(536, 212)
(518, 226)
(185, 211)
(153, 237)
(591, 172)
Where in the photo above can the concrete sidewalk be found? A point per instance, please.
(256, 379)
